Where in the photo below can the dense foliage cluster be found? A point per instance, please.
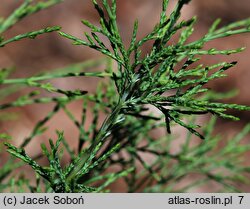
(169, 78)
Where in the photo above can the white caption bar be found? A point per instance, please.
(125, 201)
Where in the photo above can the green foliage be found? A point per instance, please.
(27, 8)
(168, 78)
(144, 80)
(31, 35)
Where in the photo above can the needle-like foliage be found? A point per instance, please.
(169, 78)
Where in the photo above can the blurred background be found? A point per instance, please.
(50, 51)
